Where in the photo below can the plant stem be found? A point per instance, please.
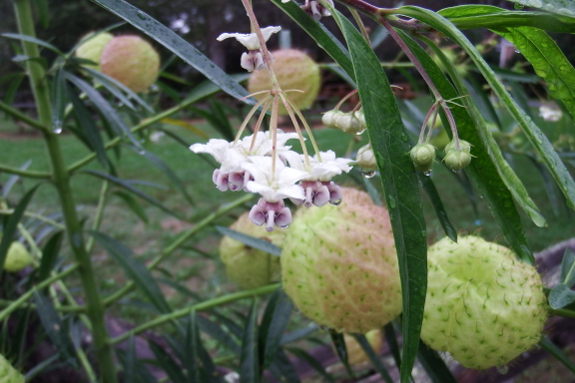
(15, 113)
(562, 313)
(197, 307)
(15, 305)
(23, 173)
(61, 179)
(179, 241)
(102, 199)
(63, 309)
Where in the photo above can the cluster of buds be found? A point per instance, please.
(351, 122)
(262, 163)
(457, 155)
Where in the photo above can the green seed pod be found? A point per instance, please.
(422, 156)
(9, 374)
(247, 267)
(463, 145)
(457, 160)
(17, 258)
(483, 305)
(92, 48)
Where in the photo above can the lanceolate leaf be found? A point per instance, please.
(273, 325)
(561, 296)
(174, 43)
(256, 243)
(532, 131)
(50, 255)
(548, 346)
(249, 366)
(481, 170)
(437, 204)
(561, 7)
(372, 355)
(134, 269)
(390, 145)
(434, 365)
(548, 61)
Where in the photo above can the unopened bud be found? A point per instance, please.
(422, 156)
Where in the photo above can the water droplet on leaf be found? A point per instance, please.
(141, 16)
(368, 173)
(503, 369)
(57, 130)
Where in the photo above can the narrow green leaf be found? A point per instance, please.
(85, 121)
(548, 183)
(167, 170)
(40, 368)
(313, 362)
(132, 189)
(390, 145)
(129, 363)
(134, 206)
(54, 327)
(481, 170)
(561, 7)
(134, 269)
(509, 75)
(273, 326)
(249, 366)
(167, 363)
(8, 185)
(219, 334)
(11, 224)
(561, 296)
(482, 101)
(391, 340)
(13, 89)
(323, 37)
(34, 40)
(568, 268)
(43, 12)
(548, 61)
(283, 369)
(435, 367)
(536, 137)
(59, 98)
(176, 44)
(299, 334)
(109, 113)
(180, 288)
(50, 253)
(373, 357)
(256, 243)
(557, 353)
(193, 350)
(437, 204)
(340, 347)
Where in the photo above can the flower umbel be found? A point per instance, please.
(253, 58)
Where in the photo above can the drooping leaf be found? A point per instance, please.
(273, 326)
(134, 269)
(557, 353)
(175, 44)
(568, 268)
(283, 369)
(391, 340)
(34, 40)
(313, 362)
(340, 347)
(8, 185)
(50, 253)
(256, 243)
(437, 204)
(249, 361)
(390, 143)
(373, 357)
(167, 363)
(434, 365)
(219, 334)
(134, 206)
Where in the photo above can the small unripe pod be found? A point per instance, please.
(17, 258)
(92, 48)
(422, 156)
(463, 146)
(456, 159)
(9, 374)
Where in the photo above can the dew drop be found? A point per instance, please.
(503, 369)
(455, 171)
(477, 222)
(284, 226)
(141, 152)
(141, 16)
(392, 202)
(519, 6)
(368, 173)
(57, 130)
(427, 173)
(337, 202)
(359, 133)
(517, 51)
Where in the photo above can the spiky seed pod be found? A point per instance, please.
(294, 70)
(9, 374)
(132, 61)
(92, 48)
(247, 267)
(339, 264)
(17, 258)
(423, 156)
(483, 305)
(457, 159)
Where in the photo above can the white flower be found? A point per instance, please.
(276, 186)
(549, 113)
(323, 170)
(218, 148)
(250, 40)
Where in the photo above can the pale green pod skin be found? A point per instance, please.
(92, 48)
(483, 305)
(9, 374)
(247, 267)
(294, 70)
(422, 156)
(339, 265)
(456, 159)
(132, 61)
(17, 258)
(463, 145)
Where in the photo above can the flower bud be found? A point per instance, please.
(365, 158)
(463, 145)
(422, 156)
(348, 123)
(457, 159)
(329, 117)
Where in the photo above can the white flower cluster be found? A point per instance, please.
(251, 164)
(253, 58)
